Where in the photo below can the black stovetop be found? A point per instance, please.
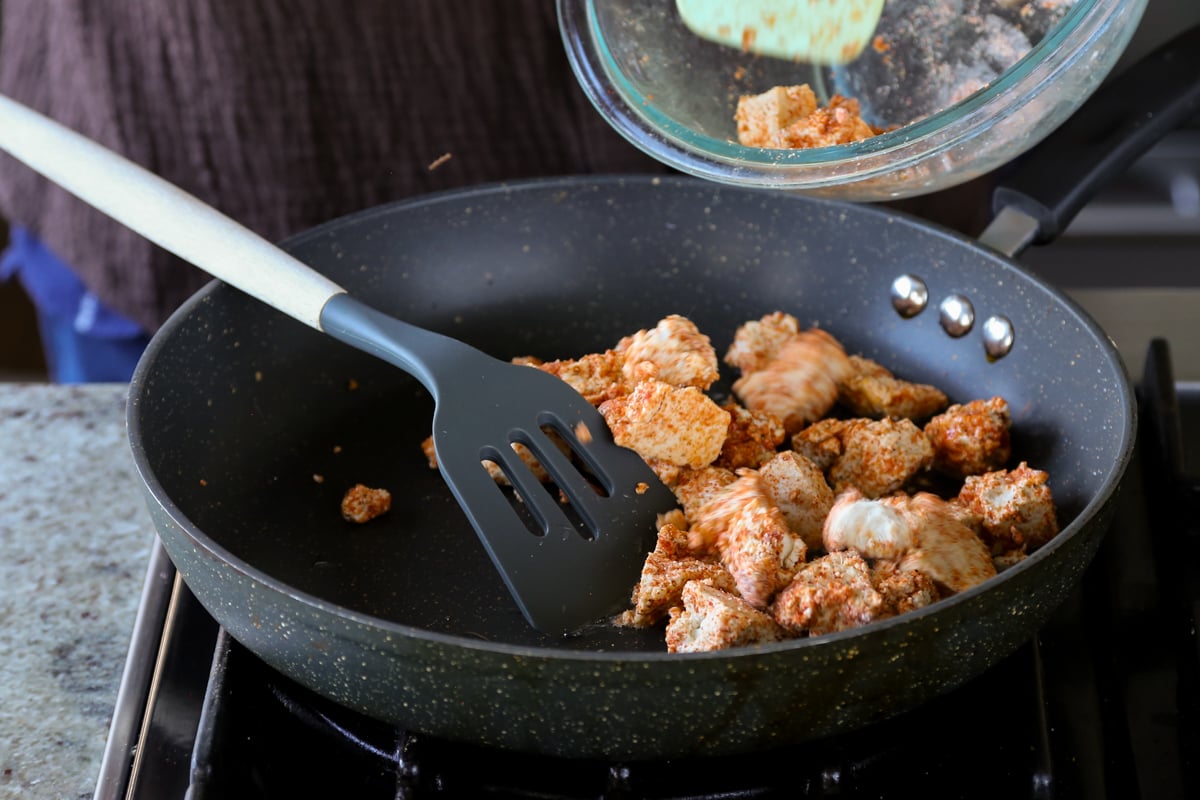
(1103, 703)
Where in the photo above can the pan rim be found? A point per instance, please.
(1109, 485)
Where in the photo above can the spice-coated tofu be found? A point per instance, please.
(799, 385)
(840, 122)
(821, 442)
(760, 118)
(1015, 507)
(363, 503)
(902, 590)
(876, 529)
(871, 390)
(971, 438)
(798, 488)
(753, 439)
(756, 342)
(946, 550)
(664, 574)
(789, 117)
(711, 619)
(880, 456)
(674, 351)
(877, 457)
(830, 593)
(695, 487)
(596, 376)
(659, 421)
(752, 537)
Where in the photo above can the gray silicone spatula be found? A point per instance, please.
(811, 31)
(579, 561)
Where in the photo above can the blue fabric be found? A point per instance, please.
(84, 340)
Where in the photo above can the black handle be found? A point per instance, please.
(1104, 137)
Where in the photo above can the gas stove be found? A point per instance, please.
(1103, 702)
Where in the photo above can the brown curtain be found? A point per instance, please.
(287, 113)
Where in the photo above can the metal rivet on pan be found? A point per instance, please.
(910, 295)
(958, 315)
(997, 336)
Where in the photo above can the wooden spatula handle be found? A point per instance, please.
(164, 214)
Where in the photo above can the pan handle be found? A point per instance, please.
(1049, 186)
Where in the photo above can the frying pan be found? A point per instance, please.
(246, 428)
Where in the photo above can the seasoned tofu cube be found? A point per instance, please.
(799, 385)
(1015, 507)
(840, 122)
(752, 537)
(946, 550)
(877, 457)
(753, 439)
(902, 590)
(363, 503)
(670, 474)
(761, 553)
(430, 452)
(695, 487)
(821, 442)
(830, 593)
(659, 421)
(876, 529)
(797, 487)
(671, 541)
(756, 343)
(871, 390)
(674, 518)
(674, 352)
(971, 438)
(664, 574)
(880, 456)
(711, 619)
(596, 376)
(761, 117)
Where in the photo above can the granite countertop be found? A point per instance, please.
(75, 541)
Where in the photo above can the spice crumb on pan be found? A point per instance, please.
(362, 503)
(318, 477)
(437, 162)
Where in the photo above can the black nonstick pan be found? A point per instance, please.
(247, 427)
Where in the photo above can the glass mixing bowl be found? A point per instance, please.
(940, 71)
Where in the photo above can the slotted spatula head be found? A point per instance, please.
(824, 32)
(569, 551)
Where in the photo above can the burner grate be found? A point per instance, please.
(241, 733)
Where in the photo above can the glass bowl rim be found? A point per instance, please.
(727, 161)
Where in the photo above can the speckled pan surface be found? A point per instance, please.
(247, 427)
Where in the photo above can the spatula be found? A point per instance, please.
(811, 31)
(576, 563)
